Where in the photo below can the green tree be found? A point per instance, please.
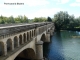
(61, 20)
(2, 20)
(11, 19)
(25, 19)
(40, 19)
(49, 19)
(71, 21)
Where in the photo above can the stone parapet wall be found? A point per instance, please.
(10, 29)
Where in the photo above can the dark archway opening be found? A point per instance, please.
(27, 54)
(34, 33)
(48, 30)
(24, 35)
(1, 48)
(9, 45)
(43, 38)
(30, 34)
(27, 36)
(15, 42)
(20, 39)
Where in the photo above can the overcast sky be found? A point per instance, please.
(39, 8)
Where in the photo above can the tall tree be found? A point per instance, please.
(40, 19)
(61, 19)
(2, 20)
(49, 19)
(25, 19)
(11, 19)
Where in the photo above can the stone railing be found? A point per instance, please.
(11, 29)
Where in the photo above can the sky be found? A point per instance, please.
(39, 8)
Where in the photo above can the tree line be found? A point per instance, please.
(62, 20)
(11, 19)
(20, 19)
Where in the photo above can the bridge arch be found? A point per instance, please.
(32, 33)
(15, 41)
(1, 48)
(9, 44)
(20, 39)
(24, 37)
(28, 36)
(28, 53)
(43, 37)
(48, 30)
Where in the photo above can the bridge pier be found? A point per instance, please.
(5, 49)
(18, 43)
(47, 37)
(51, 32)
(39, 50)
(12, 45)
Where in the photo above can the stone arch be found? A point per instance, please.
(30, 34)
(15, 41)
(48, 30)
(34, 33)
(1, 48)
(27, 54)
(24, 37)
(43, 37)
(27, 36)
(9, 45)
(20, 39)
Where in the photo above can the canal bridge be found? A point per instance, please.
(24, 40)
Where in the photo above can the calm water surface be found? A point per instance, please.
(64, 45)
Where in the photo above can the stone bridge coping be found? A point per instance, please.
(2, 26)
(10, 29)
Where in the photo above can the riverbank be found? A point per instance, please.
(68, 29)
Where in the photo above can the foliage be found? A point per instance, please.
(40, 19)
(63, 20)
(49, 19)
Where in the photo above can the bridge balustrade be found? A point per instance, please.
(23, 38)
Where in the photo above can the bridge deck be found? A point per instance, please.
(20, 24)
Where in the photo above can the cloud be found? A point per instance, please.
(61, 1)
(77, 0)
(36, 2)
(44, 12)
(75, 4)
(7, 14)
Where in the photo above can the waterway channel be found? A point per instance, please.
(64, 45)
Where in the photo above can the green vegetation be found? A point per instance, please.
(40, 19)
(11, 19)
(62, 20)
(20, 19)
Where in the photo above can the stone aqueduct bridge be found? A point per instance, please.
(24, 40)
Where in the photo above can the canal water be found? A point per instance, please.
(64, 45)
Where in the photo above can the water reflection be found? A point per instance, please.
(63, 46)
